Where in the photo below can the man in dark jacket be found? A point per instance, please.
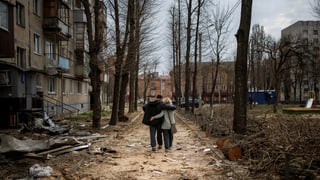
(153, 108)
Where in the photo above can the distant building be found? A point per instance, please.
(305, 79)
(152, 84)
(224, 87)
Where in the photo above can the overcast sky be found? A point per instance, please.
(274, 15)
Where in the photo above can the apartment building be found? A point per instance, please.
(43, 59)
(153, 84)
(224, 86)
(305, 78)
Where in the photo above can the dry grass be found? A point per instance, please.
(276, 144)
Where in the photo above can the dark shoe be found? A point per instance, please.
(159, 147)
(153, 148)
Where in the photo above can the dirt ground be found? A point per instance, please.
(194, 156)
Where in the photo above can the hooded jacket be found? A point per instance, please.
(153, 108)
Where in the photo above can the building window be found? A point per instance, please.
(78, 4)
(21, 57)
(305, 33)
(63, 86)
(38, 83)
(85, 89)
(50, 50)
(315, 41)
(36, 41)
(52, 85)
(5, 78)
(38, 80)
(71, 87)
(315, 32)
(20, 14)
(79, 87)
(4, 16)
(36, 7)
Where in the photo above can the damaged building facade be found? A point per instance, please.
(43, 59)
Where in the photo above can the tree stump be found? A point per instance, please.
(208, 131)
(222, 142)
(231, 151)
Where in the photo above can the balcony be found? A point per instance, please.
(79, 16)
(62, 63)
(53, 25)
(82, 71)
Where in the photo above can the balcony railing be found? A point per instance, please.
(61, 63)
(82, 71)
(64, 63)
(79, 16)
(55, 25)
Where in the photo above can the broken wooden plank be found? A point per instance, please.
(70, 149)
(90, 137)
(54, 150)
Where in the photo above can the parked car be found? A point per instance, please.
(196, 102)
(140, 101)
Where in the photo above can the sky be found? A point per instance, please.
(273, 15)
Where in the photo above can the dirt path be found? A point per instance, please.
(193, 156)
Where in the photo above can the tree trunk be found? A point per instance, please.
(129, 61)
(187, 67)
(96, 89)
(95, 39)
(194, 88)
(120, 49)
(134, 70)
(241, 89)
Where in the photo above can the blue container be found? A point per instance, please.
(262, 96)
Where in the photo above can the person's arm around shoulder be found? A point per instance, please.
(168, 107)
(157, 116)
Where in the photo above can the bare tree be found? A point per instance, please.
(120, 53)
(176, 34)
(218, 29)
(241, 89)
(129, 60)
(255, 77)
(316, 8)
(279, 53)
(95, 30)
(194, 89)
(187, 57)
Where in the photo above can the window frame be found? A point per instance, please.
(4, 13)
(63, 86)
(71, 89)
(21, 57)
(20, 15)
(51, 85)
(36, 43)
(50, 50)
(36, 7)
(79, 87)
